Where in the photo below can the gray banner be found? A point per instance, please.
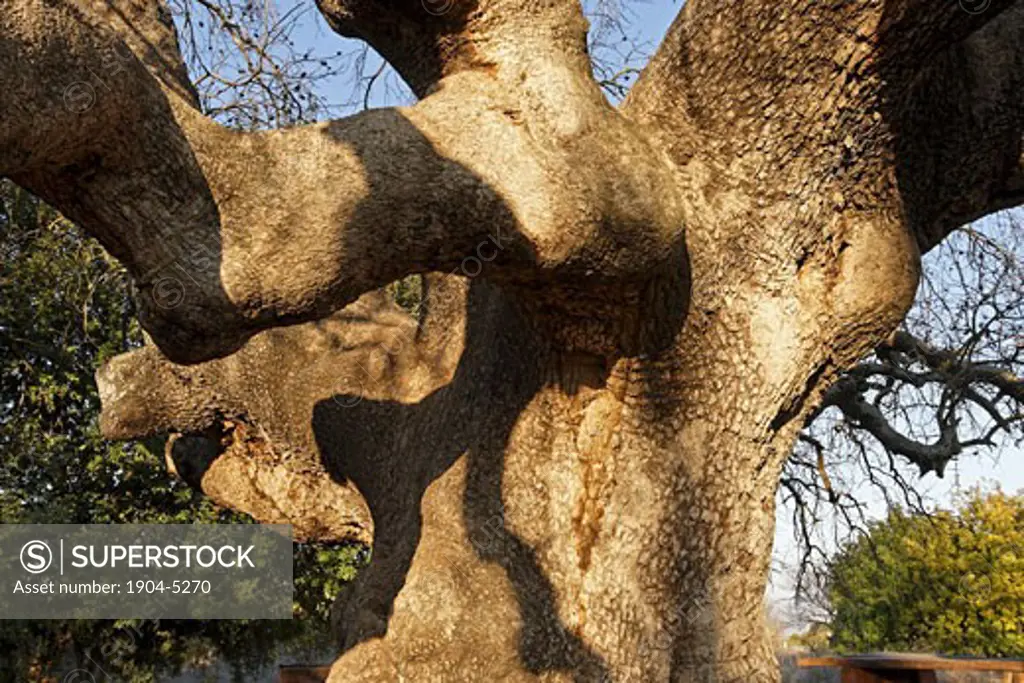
(145, 571)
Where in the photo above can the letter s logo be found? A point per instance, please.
(36, 557)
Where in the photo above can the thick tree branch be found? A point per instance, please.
(254, 450)
(239, 467)
(909, 103)
(538, 45)
(959, 128)
(229, 233)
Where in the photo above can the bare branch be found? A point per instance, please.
(963, 380)
(248, 69)
(846, 395)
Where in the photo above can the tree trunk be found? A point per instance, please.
(591, 516)
(543, 506)
(568, 465)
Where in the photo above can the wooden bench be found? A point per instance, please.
(905, 668)
(302, 674)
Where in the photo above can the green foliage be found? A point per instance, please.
(948, 583)
(817, 638)
(315, 591)
(64, 309)
(407, 292)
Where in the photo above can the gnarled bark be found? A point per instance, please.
(570, 464)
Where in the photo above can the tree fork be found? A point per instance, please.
(578, 483)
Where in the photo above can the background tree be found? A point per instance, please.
(945, 388)
(64, 308)
(948, 582)
(581, 445)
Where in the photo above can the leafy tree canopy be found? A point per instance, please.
(947, 582)
(64, 309)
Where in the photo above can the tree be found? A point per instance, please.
(945, 583)
(946, 387)
(64, 307)
(568, 459)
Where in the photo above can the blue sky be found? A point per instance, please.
(647, 20)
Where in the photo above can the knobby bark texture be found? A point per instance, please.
(567, 460)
